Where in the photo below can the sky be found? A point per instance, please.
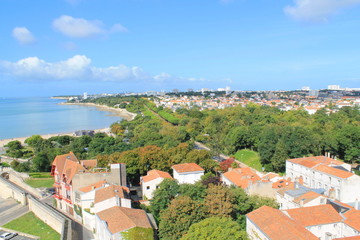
(65, 47)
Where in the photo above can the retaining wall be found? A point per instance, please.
(46, 213)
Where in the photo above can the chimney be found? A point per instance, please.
(356, 206)
(118, 173)
(302, 202)
(301, 180)
(296, 183)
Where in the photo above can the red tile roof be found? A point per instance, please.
(312, 161)
(241, 177)
(89, 163)
(353, 219)
(323, 164)
(119, 219)
(333, 171)
(67, 165)
(307, 197)
(276, 225)
(187, 167)
(153, 174)
(60, 160)
(110, 192)
(317, 215)
(92, 186)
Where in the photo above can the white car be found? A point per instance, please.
(6, 236)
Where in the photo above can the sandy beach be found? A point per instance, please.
(121, 112)
(116, 111)
(3, 142)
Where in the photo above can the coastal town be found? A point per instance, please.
(333, 97)
(180, 120)
(141, 192)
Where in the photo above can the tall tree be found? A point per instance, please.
(179, 216)
(215, 228)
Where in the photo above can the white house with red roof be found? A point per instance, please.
(151, 181)
(187, 172)
(112, 222)
(240, 177)
(330, 174)
(328, 221)
(110, 196)
(295, 195)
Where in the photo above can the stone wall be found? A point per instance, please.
(46, 213)
(9, 190)
(18, 180)
(263, 189)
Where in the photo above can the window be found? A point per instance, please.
(148, 187)
(157, 187)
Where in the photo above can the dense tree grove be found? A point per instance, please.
(188, 210)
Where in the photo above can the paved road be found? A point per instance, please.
(18, 237)
(10, 210)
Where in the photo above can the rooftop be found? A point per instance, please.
(276, 225)
(154, 174)
(110, 192)
(187, 167)
(241, 177)
(316, 215)
(119, 219)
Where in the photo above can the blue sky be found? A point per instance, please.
(74, 46)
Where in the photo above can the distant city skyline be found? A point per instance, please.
(74, 46)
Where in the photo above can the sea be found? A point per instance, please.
(22, 117)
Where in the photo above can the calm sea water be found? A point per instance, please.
(21, 117)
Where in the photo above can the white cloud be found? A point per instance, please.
(317, 10)
(118, 28)
(77, 27)
(23, 35)
(82, 28)
(77, 67)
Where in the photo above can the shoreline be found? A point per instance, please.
(121, 112)
(47, 136)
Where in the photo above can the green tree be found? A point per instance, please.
(219, 201)
(215, 228)
(279, 158)
(176, 220)
(167, 191)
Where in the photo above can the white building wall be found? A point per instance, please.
(190, 177)
(253, 232)
(112, 202)
(125, 203)
(349, 231)
(321, 231)
(108, 203)
(344, 187)
(149, 187)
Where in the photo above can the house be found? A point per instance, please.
(110, 196)
(324, 172)
(70, 174)
(240, 177)
(296, 195)
(187, 172)
(151, 181)
(112, 222)
(327, 221)
(267, 223)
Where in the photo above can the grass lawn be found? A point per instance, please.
(250, 158)
(40, 182)
(30, 224)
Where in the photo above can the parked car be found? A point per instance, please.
(6, 236)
